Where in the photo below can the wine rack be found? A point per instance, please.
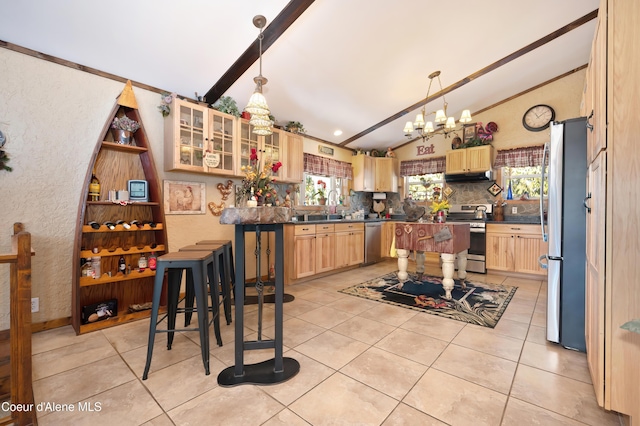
(114, 165)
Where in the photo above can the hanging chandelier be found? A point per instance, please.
(443, 123)
(257, 106)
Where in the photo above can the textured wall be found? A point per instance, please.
(53, 116)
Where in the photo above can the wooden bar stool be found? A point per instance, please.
(221, 276)
(199, 265)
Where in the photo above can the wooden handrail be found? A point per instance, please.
(20, 332)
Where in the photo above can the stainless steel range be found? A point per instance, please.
(476, 216)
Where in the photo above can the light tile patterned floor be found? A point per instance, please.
(361, 362)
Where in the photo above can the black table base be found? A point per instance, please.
(278, 369)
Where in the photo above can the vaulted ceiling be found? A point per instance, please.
(355, 65)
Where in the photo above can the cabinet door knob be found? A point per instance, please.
(589, 125)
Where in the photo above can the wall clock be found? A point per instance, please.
(538, 117)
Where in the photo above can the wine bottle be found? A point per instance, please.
(153, 261)
(122, 265)
(86, 270)
(94, 224)
(124, 224)
(94, 186)
(136, 223)
(110, 225)
(142, 263)
(95, 264)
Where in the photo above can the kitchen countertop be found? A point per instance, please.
(525, 220)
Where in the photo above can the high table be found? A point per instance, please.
(422, 237)
(257, 220)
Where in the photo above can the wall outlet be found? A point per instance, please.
(35, 304)
(514, 210)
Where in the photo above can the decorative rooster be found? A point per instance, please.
(486, 134)
(225, 190)
(215, 209)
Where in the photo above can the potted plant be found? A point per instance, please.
(295, 127)
(321, 193)
(227, 105)
(122, 128)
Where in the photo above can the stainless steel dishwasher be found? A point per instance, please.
(372, 242)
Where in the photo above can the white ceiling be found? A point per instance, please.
(346, 64)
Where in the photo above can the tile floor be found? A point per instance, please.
(361, 362)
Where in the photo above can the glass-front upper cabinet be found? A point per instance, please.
(269, 147)
(185, 133)
(248, 140)
(219, 153)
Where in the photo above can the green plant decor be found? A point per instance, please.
(227, 105)
(295, 127)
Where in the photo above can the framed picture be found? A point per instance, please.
(184, 197)
(468, 132)
(494, 189)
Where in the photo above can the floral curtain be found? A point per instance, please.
(316, 165)
(422, 167)
(530, 156)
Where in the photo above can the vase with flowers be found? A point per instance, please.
(321, 192)
(258, 180)
(439, 208)
(122, 128)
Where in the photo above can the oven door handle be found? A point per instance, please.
(477, 230)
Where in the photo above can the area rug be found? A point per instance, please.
(480, 303)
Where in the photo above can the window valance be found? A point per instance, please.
(422, 167)
(530, 156)
(316, 165)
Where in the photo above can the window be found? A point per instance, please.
(416, 189)
(524, 180)
(313, 188)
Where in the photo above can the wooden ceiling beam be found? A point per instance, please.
(271, 33)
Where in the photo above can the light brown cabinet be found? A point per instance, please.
(349, 248)
(386, 174)
(469, 160)
(364, 173)
(320, 248)
(613, 287)
(515, 248)
(293, 163)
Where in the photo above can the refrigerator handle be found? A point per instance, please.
(588, 197)
(544, 265)
(589, 125)
(544, 162)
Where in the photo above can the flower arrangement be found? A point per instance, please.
(440, 205)
(164, 107)
(322, 189)
(125, 123)
(258, 179)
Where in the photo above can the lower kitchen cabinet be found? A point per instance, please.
(349, 248)
(319, 248)
(515, 248)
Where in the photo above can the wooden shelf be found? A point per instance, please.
(129, 203)
(123, 148)
(106, 279)
(114, 165)
(119, 228)
(120, 319)
(120, 251)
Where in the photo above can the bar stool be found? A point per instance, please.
(198, 264)
(221, 276)
(228, 254)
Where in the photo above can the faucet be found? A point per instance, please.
(329, 196)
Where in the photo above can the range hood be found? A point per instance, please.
(469, 177)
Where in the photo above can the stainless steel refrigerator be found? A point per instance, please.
(565, 230)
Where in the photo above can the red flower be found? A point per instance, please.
(275, 167)
(254, 155)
